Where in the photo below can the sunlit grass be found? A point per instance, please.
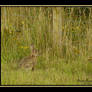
(59, 74)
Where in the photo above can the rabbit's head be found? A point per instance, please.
(31, 47)
(34, 50)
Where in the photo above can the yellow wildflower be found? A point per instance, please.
(76, 50)
(77, 27)
(10, 32)
(63, 28)
(22, 22)
(24, 47)
(21, 46)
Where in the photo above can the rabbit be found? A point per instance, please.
(30, 61)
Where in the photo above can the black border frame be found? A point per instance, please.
(39, 85)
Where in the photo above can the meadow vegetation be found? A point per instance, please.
(63, 35)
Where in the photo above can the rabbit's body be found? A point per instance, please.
(29, 62)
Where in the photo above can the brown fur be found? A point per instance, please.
(29, 62)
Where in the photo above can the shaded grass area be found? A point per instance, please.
(60, 73)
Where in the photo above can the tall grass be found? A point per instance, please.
(68, 46)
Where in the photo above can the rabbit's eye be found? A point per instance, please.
(32, 55)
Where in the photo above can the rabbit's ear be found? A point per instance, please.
(31, 47)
